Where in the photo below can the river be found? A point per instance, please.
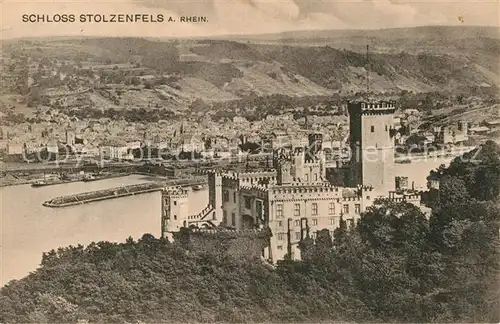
(28, 229)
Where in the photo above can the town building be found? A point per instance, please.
(493, 124)
(452, 134)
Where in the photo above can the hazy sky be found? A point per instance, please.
(243, 16)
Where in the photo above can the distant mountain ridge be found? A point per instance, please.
(303, 63)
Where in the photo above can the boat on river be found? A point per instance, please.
(51, 182)
(101, 176)
(197, 187)
(405, 161)
(43, 183)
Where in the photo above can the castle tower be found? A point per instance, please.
(372, 145)
(283, 172)
(215, 194)
(174, 211)
(315, 145)
(297, 170)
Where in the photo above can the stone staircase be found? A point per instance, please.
(204, 218)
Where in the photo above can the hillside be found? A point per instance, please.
(319, 63)
(429, 39)
(394, 265)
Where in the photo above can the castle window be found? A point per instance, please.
(296, 210)
(175, 217)
(226, 196)
(297, 235)
(367, 197)
(372, 129)
(307, 178)
(248, 202)
(281, 236)
(279, 223)
(279, 210)
(233, 219)
(214, 217)
(346, 209)
(315, 177)
(280, 247)
(357, 209)
(297, 223)
(314, 209)
(332, 220)
(386, 128)
(224, 217)
(331, 208)
(234, 196)
(315, 221)
(175, 202)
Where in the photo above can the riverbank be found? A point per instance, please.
(29, 228)
(36, 180)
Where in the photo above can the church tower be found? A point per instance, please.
(372, 145)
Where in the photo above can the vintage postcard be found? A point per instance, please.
(249, 161)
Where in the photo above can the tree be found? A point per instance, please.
(452, 190)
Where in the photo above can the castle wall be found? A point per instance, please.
(321, 206)
(253, 211)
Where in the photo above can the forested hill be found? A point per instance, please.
(307, 64)
(395, 265)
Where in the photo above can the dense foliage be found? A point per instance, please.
(395, 264)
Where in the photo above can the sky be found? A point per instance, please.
(239, 17)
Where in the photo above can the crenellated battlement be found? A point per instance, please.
(230, 176)
(371, 107)
(202, 214)
(216, 172)
(267, 173)
(257, 190)
(346, 199)
(174, 191)
(304, 189)
(393, 196)
(365, 188)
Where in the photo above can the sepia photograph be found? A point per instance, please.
(249, 161)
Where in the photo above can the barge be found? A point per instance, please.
(118, 192)
(92, 196)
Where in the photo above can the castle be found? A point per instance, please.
(295, 199)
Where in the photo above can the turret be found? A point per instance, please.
(174, 210)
